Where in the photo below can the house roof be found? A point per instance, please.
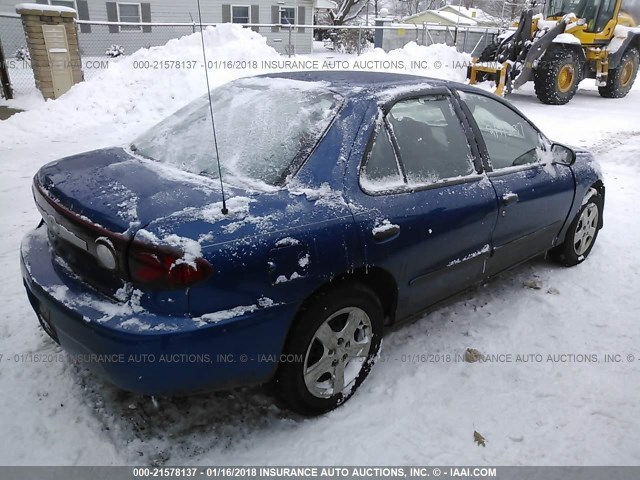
(324, 4)
(448, 16)
(476, 14)
(452, 17)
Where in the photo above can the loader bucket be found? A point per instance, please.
(500, 70)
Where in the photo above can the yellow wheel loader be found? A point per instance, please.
(572, 40)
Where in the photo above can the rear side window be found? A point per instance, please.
(431, 141)
(420, 142)
(382, 172)
(510, 139)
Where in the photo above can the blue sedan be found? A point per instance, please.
(353, 201)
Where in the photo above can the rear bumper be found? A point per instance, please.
(144, 352)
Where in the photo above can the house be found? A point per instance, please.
(454, 15)
(441, 18)
(478, 15)
(294, 12)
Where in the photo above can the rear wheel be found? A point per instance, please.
(557, 76)
(332, 348)
(620, 79)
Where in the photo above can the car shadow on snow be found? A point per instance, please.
(156, 431)
(152, 430)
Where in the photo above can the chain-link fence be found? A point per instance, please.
(103, 42)
(18, 61)
(464, 38)
(390, 36)
(100, 39)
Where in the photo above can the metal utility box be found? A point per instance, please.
(55, 39)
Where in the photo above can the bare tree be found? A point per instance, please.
(511, 9)
(347, 11)
(413, 7)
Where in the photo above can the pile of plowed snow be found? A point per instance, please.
(130, 93)
(136, 91)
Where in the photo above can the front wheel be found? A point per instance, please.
(557, 76)
(582, 233)
(489, 54)
(332, 348)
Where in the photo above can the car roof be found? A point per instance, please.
(355, 83)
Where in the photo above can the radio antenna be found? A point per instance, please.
(213, 123)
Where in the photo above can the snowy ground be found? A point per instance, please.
(547, 412)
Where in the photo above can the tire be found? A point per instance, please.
(620, 79)
(488, 55)
(575, 250)
(557, 77)
(331, 315)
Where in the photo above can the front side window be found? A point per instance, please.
(559, 8)
(597, 13)
(604, 15)
(240, 14)
(510, 139)
(264, 128)
(431, 141)
(287, 15)
(129, 12)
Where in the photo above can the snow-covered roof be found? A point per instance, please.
(44, 8)
(448, 16)
(476, 14)
(324, 4)
(452, 17)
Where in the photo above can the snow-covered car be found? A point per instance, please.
(355, 200)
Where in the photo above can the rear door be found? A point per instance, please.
(423, 206)
(535, 195)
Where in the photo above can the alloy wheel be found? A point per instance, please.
(586, 229)
(337, 352)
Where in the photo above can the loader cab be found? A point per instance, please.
(597, 13)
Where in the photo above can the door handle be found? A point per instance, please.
(386, 233)
(509, 198)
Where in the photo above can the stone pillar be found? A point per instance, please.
(55, 70)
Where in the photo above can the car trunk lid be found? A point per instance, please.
(95, 202)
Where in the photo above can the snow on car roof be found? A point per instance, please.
(355, 83)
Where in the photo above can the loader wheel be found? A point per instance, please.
(620, 79)
(489, 54)
(557, 76)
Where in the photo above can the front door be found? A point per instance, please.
(534, 194)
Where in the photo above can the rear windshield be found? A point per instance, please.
(264, 127)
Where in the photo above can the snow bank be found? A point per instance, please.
(132, 99)
(126, 95)
(435, 61)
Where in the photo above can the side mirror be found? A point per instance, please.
(563, 154)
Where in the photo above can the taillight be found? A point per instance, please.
(165, 267)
